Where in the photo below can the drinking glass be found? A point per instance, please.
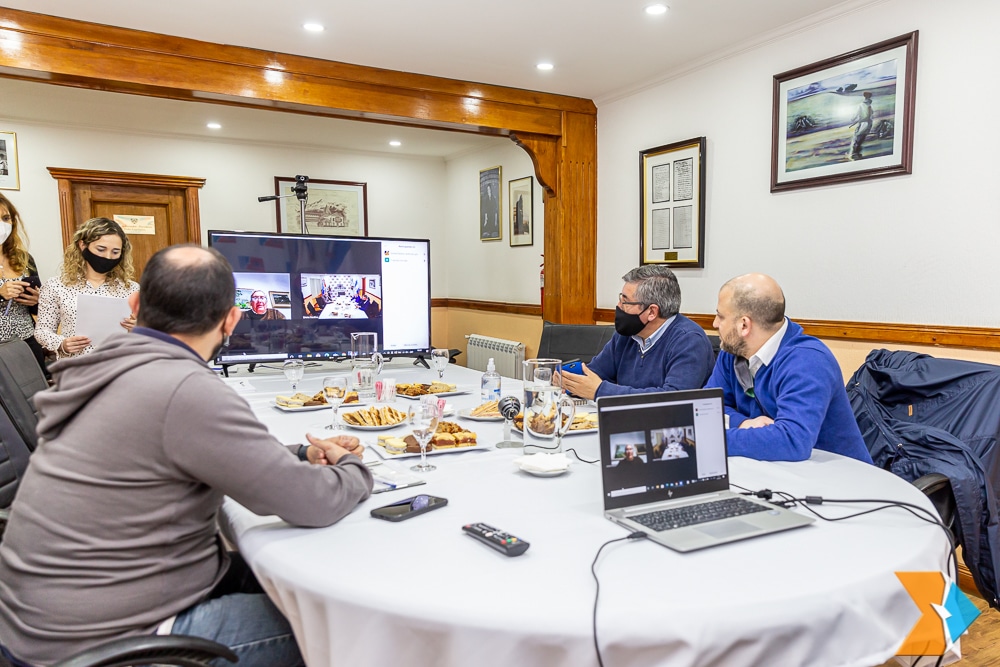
(440, 357)
(548, 411)
(294, 370)
(335, 391)
(423, 419)
(364, 381)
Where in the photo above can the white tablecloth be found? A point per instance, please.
(366, 592)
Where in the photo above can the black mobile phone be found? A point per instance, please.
(409, 508)
(33, 281)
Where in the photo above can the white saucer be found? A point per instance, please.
(550, 473)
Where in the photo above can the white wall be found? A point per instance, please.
(489, 270)
(407, 196)
(910, 249)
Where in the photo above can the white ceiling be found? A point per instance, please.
(600, 49)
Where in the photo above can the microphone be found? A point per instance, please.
(508, 406)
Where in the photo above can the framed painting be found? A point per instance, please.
(333, 208)
(846, 118)
(489, 205)
(9, 179)
(672, 204)
(522, 211)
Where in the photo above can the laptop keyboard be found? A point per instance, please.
(690, 515)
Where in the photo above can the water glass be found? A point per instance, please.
(335, 391)
(548, 411)
(423, 417)
(294, 369)
(440, 358)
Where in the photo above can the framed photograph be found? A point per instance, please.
(522, 211)
(846, 118)
(333, 208)
(672, 204)
(9, 179)
(280, 299)
(489, 205)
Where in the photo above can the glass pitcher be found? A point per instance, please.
(548, 410)
(364, 350)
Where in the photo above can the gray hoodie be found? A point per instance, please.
(113, 529)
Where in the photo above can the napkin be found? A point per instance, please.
(542, 462)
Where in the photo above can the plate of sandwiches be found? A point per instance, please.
(485, 412)
(300, 402)
(449, 437)
(415, 390)
(375, 418)
(583, 422)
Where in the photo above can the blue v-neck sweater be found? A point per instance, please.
(681, 359)
(802, 390)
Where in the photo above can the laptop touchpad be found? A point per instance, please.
(727, 529)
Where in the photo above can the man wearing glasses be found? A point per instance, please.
(784, 392)
(654, 348)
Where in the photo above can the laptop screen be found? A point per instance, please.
(662, 446)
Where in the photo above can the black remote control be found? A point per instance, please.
(503, 542)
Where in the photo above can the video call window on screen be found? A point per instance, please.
(340, 296)
(302, 296)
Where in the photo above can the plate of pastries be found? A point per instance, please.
(583, 422)
(484, 412)
(449, 437)
(300, 402)
(415, 390)
(375, 418)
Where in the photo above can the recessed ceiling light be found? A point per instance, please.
(657, 9)
(214, 126)
(313, 27)
(395, 143)
(545, 67)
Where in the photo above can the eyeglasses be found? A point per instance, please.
(622, 301)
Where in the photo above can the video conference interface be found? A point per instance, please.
(303, 296)
(662, 449)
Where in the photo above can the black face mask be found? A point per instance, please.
(102, 265)
(627, 324)
(218, 348)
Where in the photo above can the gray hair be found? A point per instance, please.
(764, 309)
(657, 284)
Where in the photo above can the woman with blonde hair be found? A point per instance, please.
(18, 282)
(97, 262)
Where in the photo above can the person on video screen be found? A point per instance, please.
(630, 456)
(259, 310)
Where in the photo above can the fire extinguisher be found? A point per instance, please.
(541, 283)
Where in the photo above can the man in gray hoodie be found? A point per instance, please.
(113, 531)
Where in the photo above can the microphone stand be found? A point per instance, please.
(301, 192)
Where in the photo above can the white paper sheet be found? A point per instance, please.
(97, 317)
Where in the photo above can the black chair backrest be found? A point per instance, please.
(716, 343)
(14, 455)
(20, 380)
(573, 341)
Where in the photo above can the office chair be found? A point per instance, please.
(145, 650)
(937, 488)
(20, 380)
(573, 341)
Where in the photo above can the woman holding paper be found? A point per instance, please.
(18, 282)
(98, 263)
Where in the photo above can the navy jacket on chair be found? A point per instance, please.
(918, 415)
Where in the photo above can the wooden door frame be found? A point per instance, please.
(558, 132)
(67, 178)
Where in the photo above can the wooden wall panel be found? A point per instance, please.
(559, 132)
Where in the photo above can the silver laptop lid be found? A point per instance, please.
(662, 446)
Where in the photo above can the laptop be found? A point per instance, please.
(664, 472)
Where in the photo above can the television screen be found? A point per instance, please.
(303, 296)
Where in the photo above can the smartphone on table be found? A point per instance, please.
(409, 508)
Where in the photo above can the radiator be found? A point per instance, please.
(506, 354)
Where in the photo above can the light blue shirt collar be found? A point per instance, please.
(647, 345)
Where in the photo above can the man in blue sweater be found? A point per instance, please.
(655, 348)
(784, 392)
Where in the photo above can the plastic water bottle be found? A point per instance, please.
(491, 383)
